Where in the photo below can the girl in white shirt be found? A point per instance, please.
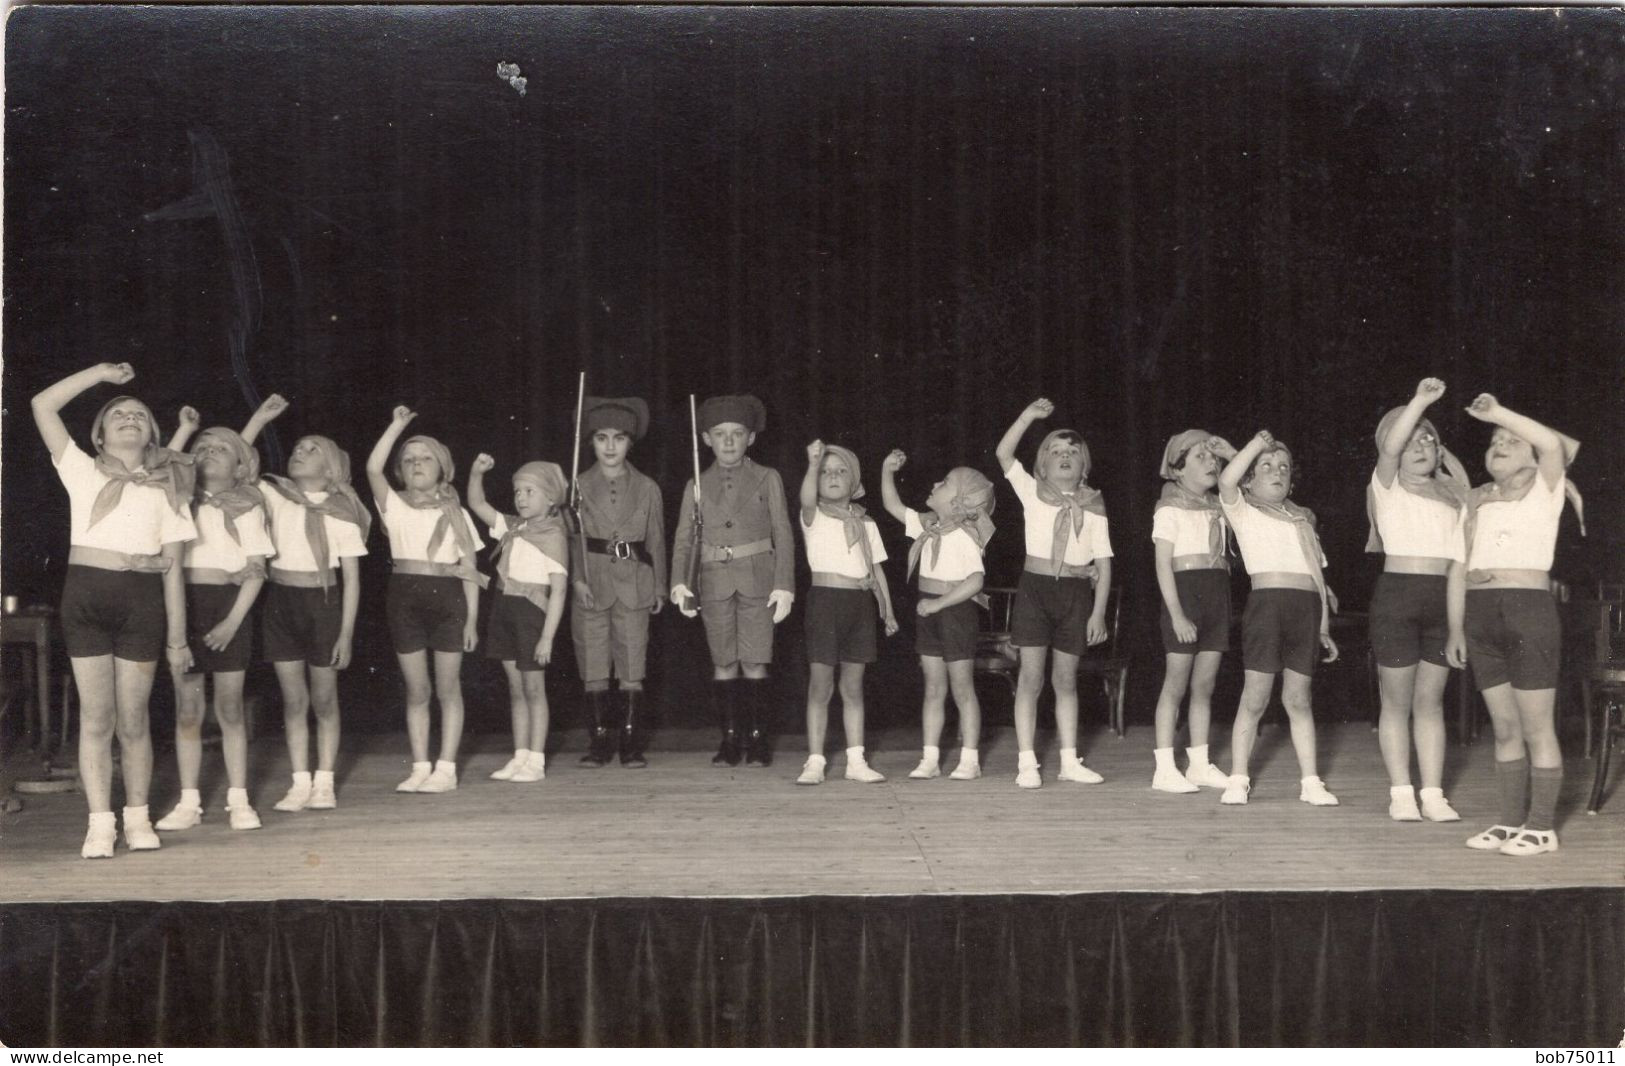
(1512, 640)
(123, 601)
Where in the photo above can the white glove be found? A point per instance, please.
(682, 597)
(780, 600)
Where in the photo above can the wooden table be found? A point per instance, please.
(34, 626)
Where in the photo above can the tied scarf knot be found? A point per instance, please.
(1176, 495)
(234, 503)
(1069, 517)
(1303, 523)
(341, 504)
(853, 524)
(545, 533)
(934, 527)
(444, 499)
(173, 472)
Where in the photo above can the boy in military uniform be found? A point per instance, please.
(617, 583)
(746, 570)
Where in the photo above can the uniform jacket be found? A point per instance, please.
(741, 505)
(627, 509)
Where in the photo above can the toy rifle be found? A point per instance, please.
(575, 480)
(691, 575)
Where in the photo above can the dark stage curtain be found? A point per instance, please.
(1356, 968)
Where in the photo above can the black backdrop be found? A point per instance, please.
(895, 225)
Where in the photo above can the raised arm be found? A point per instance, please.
(1006, 451)
(476, 490)
(809, 482)
(1236, 469)
(399, 419)
(1546, 441)
(1393, 443)
(269, 411)
(889, 499)
(190, 420)
(48, 405)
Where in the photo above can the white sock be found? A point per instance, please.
(1027, 760)
(190, 797)
(1197, 755)
(103, 820)
(136, 815)
(441, 766)
(1069, 755)
(1165, 760)
(932, 754)
(818, 759)
(236, 797)
(855, 756)
(301, 779)
(521, 754)
(325, 777)
(970, 755)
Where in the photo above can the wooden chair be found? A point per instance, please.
(997, 657)
(1604, 692)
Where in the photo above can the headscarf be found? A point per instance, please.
(243, 495)
(971, 510)
(161, 468)
(342, 503)
(1303, 524)
(1518, 486)
(1179, 444)
(1072, 507)
(443, 498)
(1447, 484)
(545, 532)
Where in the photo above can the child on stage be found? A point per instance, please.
(434, 591)
(620, 581)
(318, 525)
(1513, 641)
(947, 550)
(1188, 533)
(123, 602)
(224, 572)
(746, 570)
(1061, 598)
(1288, 609)
(1416, 502)
(844, 553)
(532, 570)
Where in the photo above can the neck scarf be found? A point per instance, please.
(241, 497)
(545, 532)
(342, 503)
(1447, 484)
(443, 498)
(970, 510)
(1072, 508)
(1176, 495)
(1303, 523)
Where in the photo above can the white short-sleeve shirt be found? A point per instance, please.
(1082, 546)
(141, 524)
(1518, 534)
(827, 550)
(409, 529)
(288, 533)
(1268, 544)
(527, 563)
(215, 550)
(1186, 528)
(958, 559)
(1417, 525)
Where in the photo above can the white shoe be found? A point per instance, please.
(533, 769)
(1172, 781)
(440, 781)
(322, 798)
(297, 799)
(1402, 806)
(812, 772)
(1313, 792)
(414, 781)
(863, 772)
(139, 836)
(1530, 842)
(1079, 774)
(244, 817)
(99, 841)
(1029, 778)
(1435, 808)
(181, 818)
(1235, 793)
(966, 771)
(1208, 776)
(925, 771)
(1492, 838)
(509, 768)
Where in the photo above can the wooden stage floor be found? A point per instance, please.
(684, 828)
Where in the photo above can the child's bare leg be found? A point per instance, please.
(93, 677)
(851, 684)
(1029, 684)
(933, 710)
(448, 689)
(535, 683)
(962, 680)
(290, 677)
(324, 703)
(1203, 677)
(1176, 675)
(1064, 677)
(1396, 688)
(1256, 687)
(228, 711)
(820, 687)
(1295, 697)
(518, 707)
(133, 685)
(190, 709)
(1427, 723)
(415, 672)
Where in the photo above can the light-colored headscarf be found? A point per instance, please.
(545, 531)
(1069, 519)
(242, 496)
(1447, 484)
(171, 471)
(342, 503)
(1176, 495)
(971, 509)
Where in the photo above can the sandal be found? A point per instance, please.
(1492, 838)
(1530, 842)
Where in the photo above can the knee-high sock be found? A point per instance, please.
(1545, 782)
(1512, 781)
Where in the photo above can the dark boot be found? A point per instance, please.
(602, 746)
(758, 749)
(631, 735)
(726, 696)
